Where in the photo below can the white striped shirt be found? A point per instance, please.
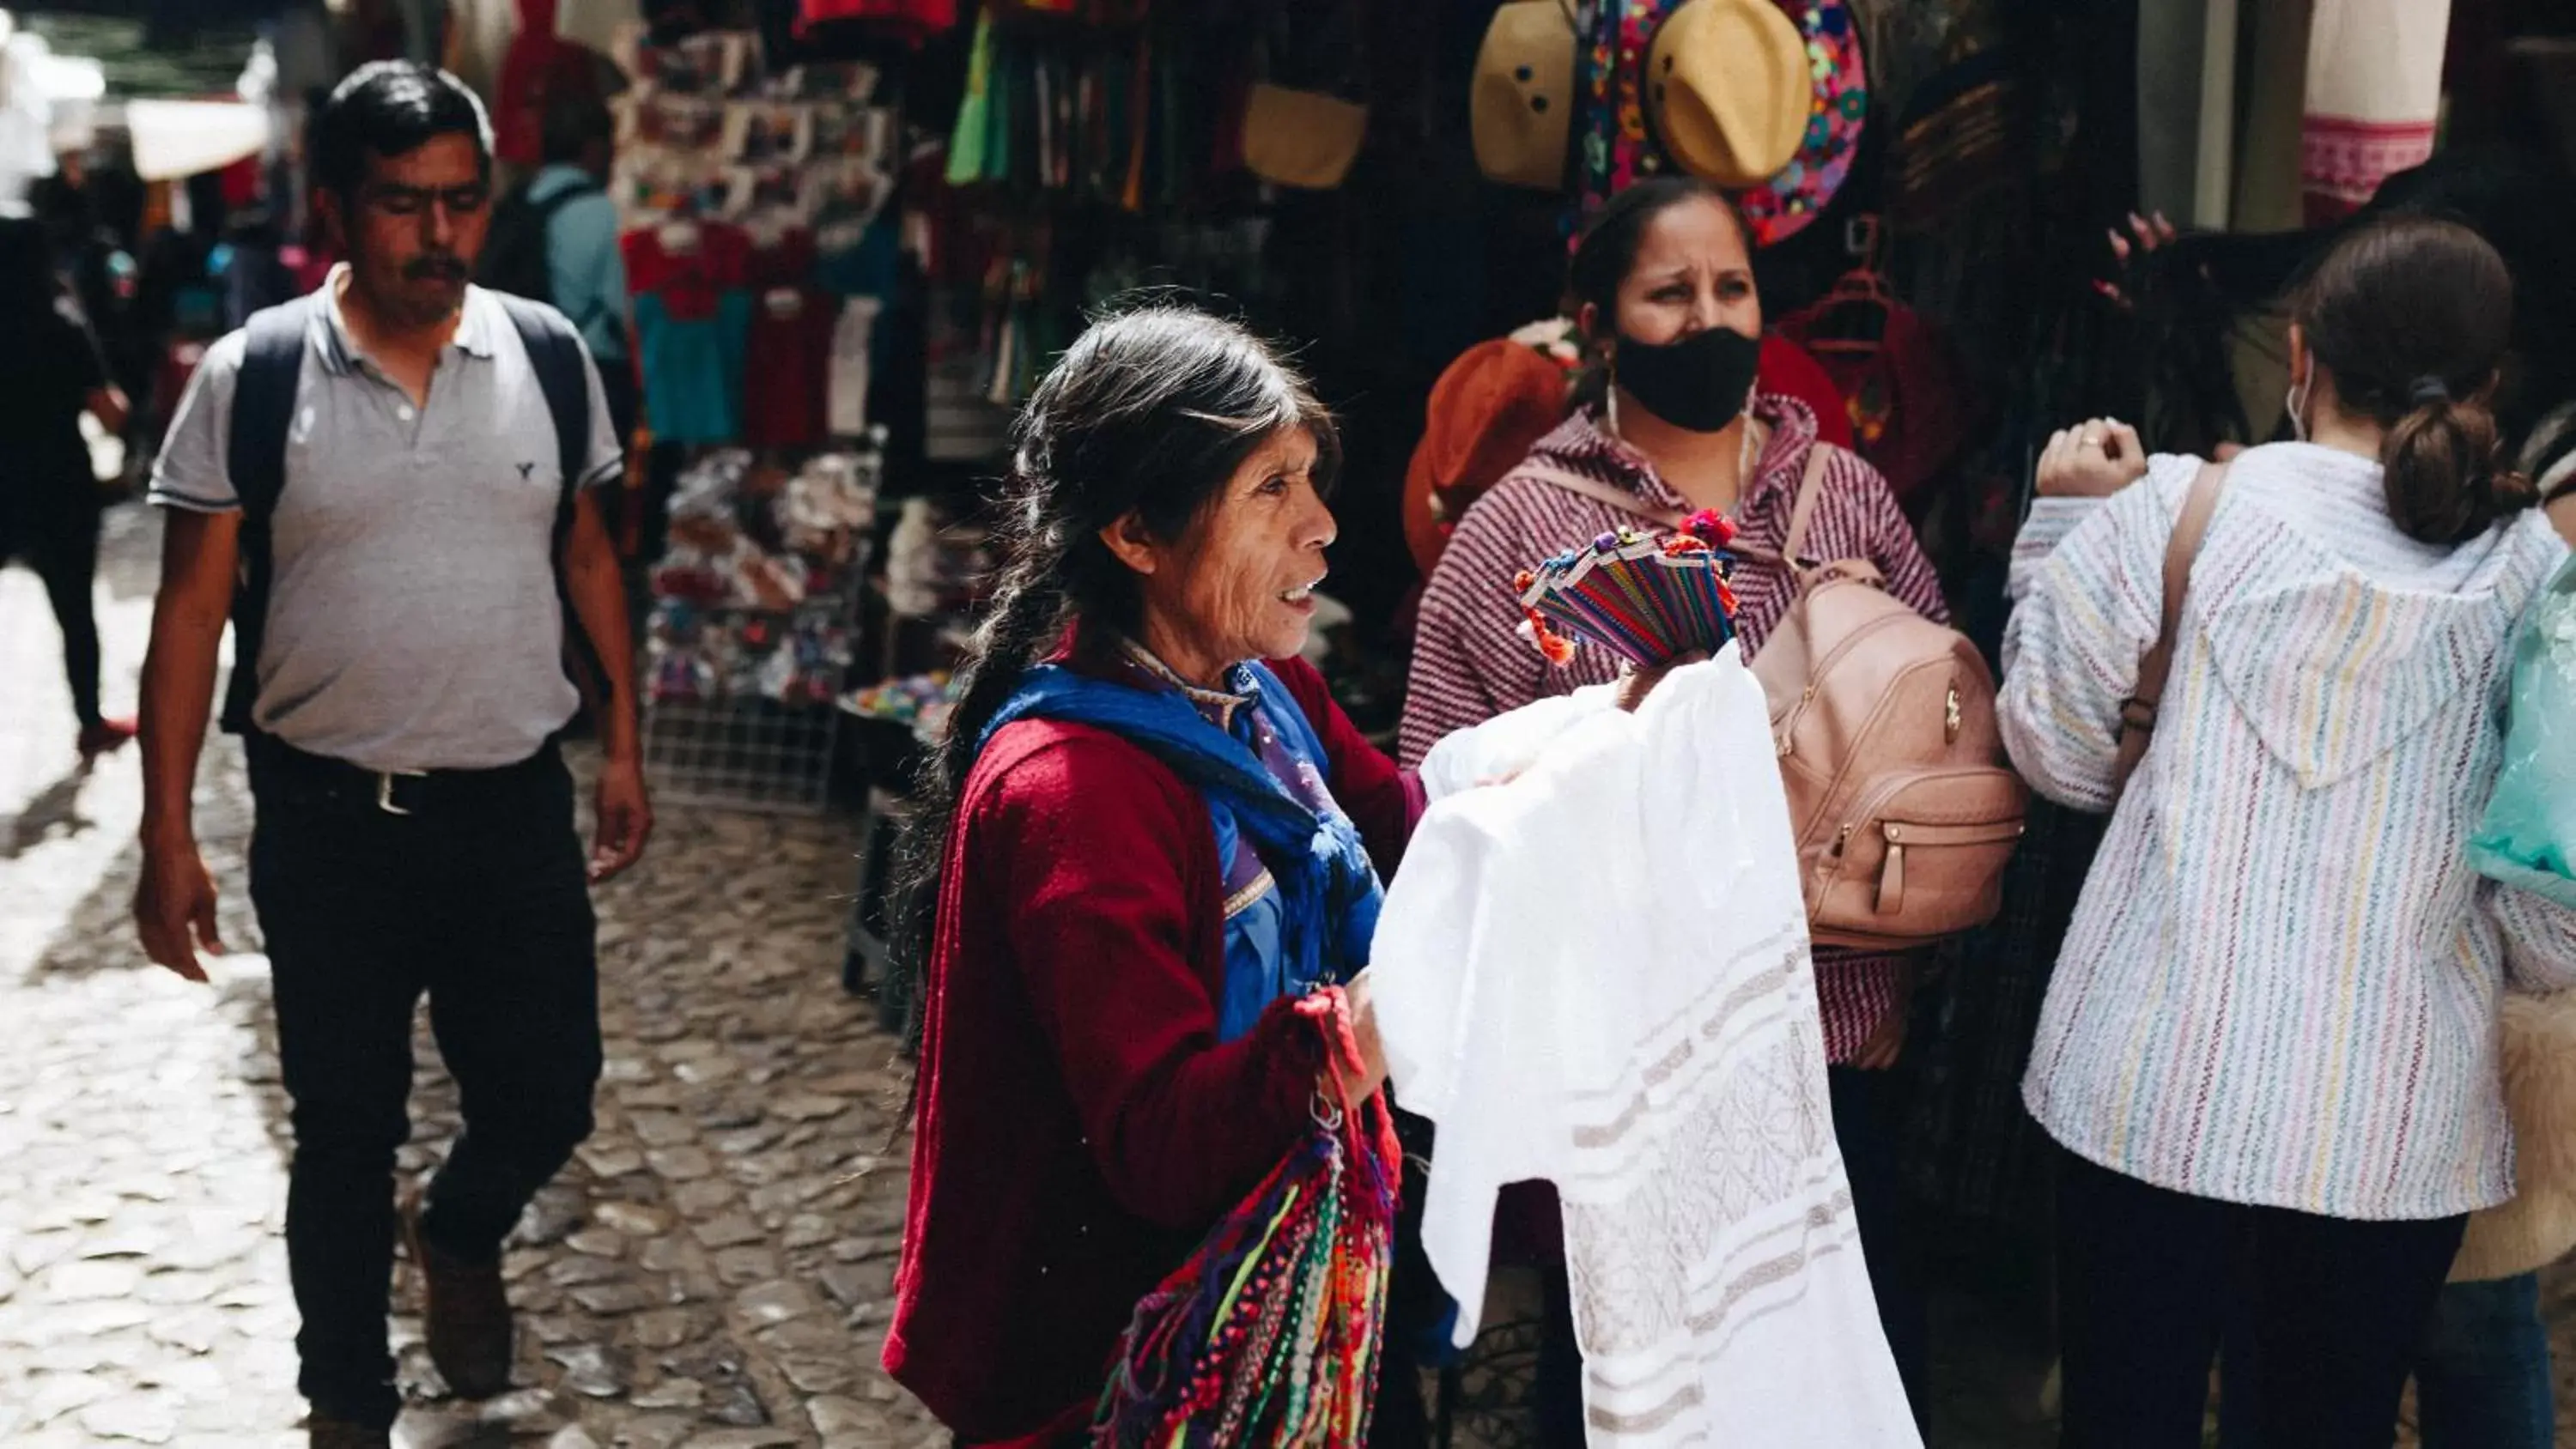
(2280, 987)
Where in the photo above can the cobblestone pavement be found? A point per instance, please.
(712, 1271)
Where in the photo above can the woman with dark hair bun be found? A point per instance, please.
(2274, 1022)
(1148, 835)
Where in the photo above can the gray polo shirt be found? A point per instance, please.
(412, 617)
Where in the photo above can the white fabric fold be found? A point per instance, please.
(1597, 974)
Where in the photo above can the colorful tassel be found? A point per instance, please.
(1648, 599)
(1269, 1335)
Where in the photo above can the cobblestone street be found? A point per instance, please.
(712, 1271)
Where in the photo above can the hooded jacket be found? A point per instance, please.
(2282, 982)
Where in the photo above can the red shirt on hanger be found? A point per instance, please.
(688, 278)
(911, 20)
(790, 346)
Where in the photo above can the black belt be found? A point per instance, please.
(281, 769)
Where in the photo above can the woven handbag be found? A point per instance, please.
(1269, 1335)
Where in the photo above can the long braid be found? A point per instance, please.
(1028, 612)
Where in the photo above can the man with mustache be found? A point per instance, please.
(388, 485)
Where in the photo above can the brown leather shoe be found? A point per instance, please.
(331, 1433)
(467, 1314)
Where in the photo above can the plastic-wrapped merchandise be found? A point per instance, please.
(2528, 838)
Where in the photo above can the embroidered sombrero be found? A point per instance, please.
(1798, 192)
(1616, 147)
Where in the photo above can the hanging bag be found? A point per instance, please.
(1885, 727)
(1304, 124)
(2528, 842)
(2528, 838)
(1269, 1335)
(1884, 723)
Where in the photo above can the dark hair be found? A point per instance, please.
(28, 288)
(1150, 411)
(1607, 252)
(392, 108)
(2412, 315)
(574, 124)
(63, 207)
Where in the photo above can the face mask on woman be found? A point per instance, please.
(1698, 383)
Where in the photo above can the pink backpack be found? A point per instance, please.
(1903, 809)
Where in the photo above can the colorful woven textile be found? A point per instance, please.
(1616, 147)
(1782, 207)
(1269, 1334)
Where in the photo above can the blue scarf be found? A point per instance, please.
(1328, 892)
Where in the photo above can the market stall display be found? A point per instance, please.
(752, 631)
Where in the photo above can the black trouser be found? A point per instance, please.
(61, 546)
(477, 898)
(1869, 1127)
(2147, 1281)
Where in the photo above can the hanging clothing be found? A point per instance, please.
(1597, 974)
(910, 21)
(2374, 98)
(539, 70)
(791, 334)
(595, 23)
(852, 368)
(479, 33)
(692, 323)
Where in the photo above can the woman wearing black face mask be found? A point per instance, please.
(1672, 420)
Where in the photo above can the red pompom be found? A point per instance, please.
(1710, 527)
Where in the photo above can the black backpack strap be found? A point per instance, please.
(263, 412)
(563, 371)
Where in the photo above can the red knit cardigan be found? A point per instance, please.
(1080, 1125)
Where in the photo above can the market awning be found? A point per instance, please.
(182, 138)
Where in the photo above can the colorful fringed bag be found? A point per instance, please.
(1269, 1334)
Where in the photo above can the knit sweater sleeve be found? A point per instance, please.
(1110, 865)
(2086, 609)
(1470, 662)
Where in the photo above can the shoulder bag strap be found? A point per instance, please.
(263, 414)
(1599, 492)
(1802, 512)
(2155, 667)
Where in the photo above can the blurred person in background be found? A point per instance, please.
(50, 374)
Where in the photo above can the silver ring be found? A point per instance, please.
(2092, 440)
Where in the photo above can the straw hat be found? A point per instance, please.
(1838, 107)
(1521, 107)
(1305, 139)
(1728, 86)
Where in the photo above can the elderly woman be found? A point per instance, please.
(1143, 844)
